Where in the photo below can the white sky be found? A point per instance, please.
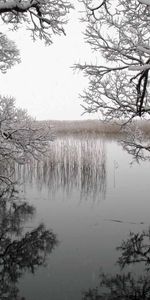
(44, 83)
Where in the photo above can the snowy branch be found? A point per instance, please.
(118, 32)
(42, 17)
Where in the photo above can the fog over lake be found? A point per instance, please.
(91, 196)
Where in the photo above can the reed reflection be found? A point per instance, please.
(20, 250)
(73, 163)
(127, 285)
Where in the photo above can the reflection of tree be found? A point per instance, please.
(137, 149)
(20, 250)
(126, 286)
(13, 212)
(120, 287)
(135, 249)
(136, 143)
(73, 163)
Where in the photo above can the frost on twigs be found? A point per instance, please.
(140, 68)
(119, 32)
(21, 138)
(42, 17)
(9, 54)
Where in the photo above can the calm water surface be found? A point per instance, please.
(90, 195)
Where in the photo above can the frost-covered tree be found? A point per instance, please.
(9, 54)
(42, 17)
(21, 137)
(119, 32)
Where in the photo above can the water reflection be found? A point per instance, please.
(72, 163)
(136, 143)
(120, 287)
(7, 181)
(135, 249)
(20, 250)
(126, 285)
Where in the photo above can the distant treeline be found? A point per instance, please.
(92, 126)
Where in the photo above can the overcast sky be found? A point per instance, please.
(44, 83)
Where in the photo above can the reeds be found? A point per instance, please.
(86, 127)
(73, 164)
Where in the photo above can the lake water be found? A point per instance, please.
(91, 196)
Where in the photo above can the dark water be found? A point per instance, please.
(91, 197)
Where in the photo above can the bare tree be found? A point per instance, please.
(119, 33)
